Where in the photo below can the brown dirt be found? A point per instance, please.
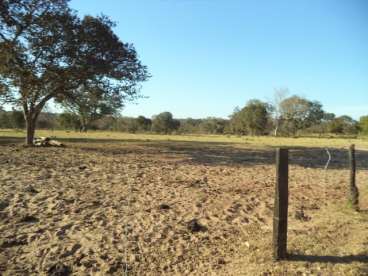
(174, 208)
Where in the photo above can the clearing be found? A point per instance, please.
(111, 203)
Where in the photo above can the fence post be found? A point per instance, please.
(354, 193)
(281, 205)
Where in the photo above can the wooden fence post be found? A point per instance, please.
(281, 205)
(354, 193)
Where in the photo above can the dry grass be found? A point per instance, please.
(242, 141)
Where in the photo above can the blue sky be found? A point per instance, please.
(208, 56)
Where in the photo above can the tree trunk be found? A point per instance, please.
(31, 119)
(31, 112)
(31, 127)
(276, 127)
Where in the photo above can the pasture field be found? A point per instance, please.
(114, 204)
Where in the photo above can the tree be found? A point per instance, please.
(47, 120)
(279, 97)
(68, 121)
(91, 104)
(299, 113)
(17, 119)
(190, 125)
(143, 123)
(343, 125)
(4, 119)
(47, 52)
(252, 119)
(106, 122)
(363, 124)
(213, 125)
(164, 123)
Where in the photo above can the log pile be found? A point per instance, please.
(47, 142)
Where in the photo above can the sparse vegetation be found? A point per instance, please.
(224, 184)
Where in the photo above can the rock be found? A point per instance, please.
(194, 226)
(164, 206)
(59, 270)
(82, 167)
(31, 190)
(299, 215)
(221, 261)
(3, 205)
(29, 219)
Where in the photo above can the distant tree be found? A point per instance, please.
(343, 125)
(190, 125)
(107, 122)
(328, 117)
(4, 119)
(143, 123)
(279, 97)
(299, 113)
(47, 52)
(131, 125)
(213, 125)
(47, 120)
(92, 103)
(363, 124)
(17, 119)
(68, 121)
(164, 123)
(252, 119)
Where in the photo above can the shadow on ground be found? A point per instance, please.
(329, 259)
(214, 153)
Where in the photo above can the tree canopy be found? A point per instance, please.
(252, 119)
(298, 113)
(164, 123)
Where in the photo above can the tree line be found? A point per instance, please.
(290, 116)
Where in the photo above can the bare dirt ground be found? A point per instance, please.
(175, 208)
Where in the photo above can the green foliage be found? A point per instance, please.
(212, 125)
(164, 123)
(252, 119)
(17, 119)
(363, 124)
(69, 121)
(298, 113)
(5, 119)
(343, 125)
(190, 125)
(48, 52)
(143, 123)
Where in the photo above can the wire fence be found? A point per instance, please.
(325, 161)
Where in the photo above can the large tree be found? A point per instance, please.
(164, 123)
(47, 52)
(298, 113)
(251, 119)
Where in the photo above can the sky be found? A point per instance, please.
(208, 56)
